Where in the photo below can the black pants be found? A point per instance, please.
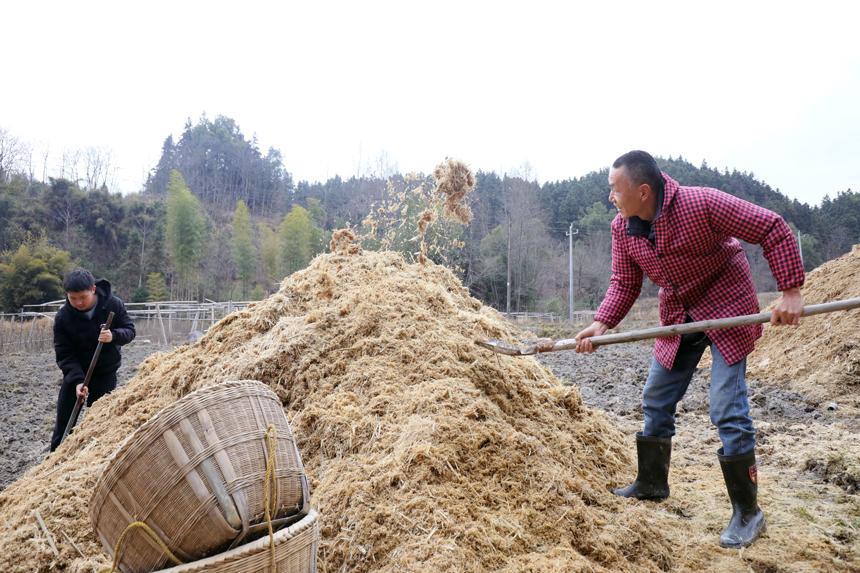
(100, 384)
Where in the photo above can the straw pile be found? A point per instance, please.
(820, 358)
(425, 452)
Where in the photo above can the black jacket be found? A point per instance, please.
(76, 336)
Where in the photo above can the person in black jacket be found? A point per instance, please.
(78, 328)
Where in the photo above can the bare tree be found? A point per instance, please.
(530, 244)
(12, 151)
(45, 163)
(97, 167)
(70, 166)
(592, 259)
(382, 167)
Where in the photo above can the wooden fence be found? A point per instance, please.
(167, 322)
(578, 316)
(26, 331)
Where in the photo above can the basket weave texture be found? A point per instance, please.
(295, 552)
(195, 474)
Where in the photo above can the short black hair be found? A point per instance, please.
(78, 280)
(642, 168)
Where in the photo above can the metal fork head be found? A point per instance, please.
(502, 347)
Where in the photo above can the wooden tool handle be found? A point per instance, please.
(98, 351)
(702, 325)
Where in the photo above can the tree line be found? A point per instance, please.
(220, 219)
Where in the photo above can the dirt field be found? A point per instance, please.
(28, 394)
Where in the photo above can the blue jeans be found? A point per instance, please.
(730, 411)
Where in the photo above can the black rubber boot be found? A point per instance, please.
(652, 481)
(747, 521)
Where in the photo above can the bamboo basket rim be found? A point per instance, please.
(170, 414)
(281, 537)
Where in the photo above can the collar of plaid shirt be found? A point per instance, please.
(637, 227)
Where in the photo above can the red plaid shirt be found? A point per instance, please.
(700, 267)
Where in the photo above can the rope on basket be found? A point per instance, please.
(152, 534)
(268, 501)
(268, 506)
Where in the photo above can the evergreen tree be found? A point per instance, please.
(243, 246)
(186, 228)
(596, 218)
(156, 288)
(269, 253)
(296, 233)
(838, 223)
(318, 236)
(221, 166)
(140, 294)
(159, 178)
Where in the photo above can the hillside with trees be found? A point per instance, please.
(218, 218)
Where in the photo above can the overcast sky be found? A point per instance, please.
(771, 88)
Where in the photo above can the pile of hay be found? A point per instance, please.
(425, 452)
(819, 359)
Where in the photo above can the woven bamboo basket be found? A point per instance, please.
(195, 475)
(295, 552)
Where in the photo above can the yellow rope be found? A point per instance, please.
(268, 501)
(268, 506)
(152, 534)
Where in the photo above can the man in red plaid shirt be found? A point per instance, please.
(685, 240)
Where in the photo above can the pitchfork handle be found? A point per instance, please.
(703, 325)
